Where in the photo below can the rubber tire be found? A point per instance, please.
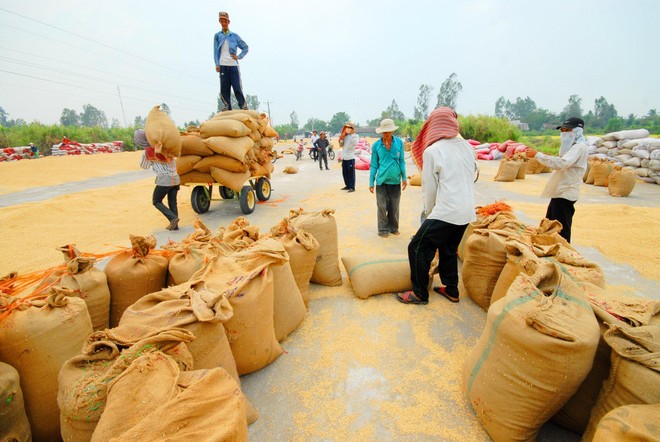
(331, 155)
(226, 193)
(263, 189)
(200, 200)
(247, 200)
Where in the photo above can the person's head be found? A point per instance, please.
(386, 128)
(223, 17)
(314, 132)
(570, 124)
(140, 138)
(571, 133)
(322, 134)
(350, 128)
(31, 144)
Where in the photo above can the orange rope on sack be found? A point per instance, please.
(492, 209)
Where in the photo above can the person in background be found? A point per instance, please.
(447, 165)
(563, 187)
(314, 137)
(167, 179)
(348, 139)
(321, 145)
(225, 48)
(388, 172)
(299, 150)
(34, 150)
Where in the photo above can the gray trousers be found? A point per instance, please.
(388, 197)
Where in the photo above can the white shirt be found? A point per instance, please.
(566, 180)
(348, 150)
(225, 56)
(448, 181)
(314, 138)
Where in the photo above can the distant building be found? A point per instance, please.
(519, 125)
(367, 131)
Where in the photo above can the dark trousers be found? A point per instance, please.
(160, 192)
(348, 172)
(230, 78)
(323, 158)
(388, 197)
(562, 210)
(435, 235)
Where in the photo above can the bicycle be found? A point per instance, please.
(331, 153)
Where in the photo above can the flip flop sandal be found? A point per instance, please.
(409, 297)
(441, 291)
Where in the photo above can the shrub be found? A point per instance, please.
(488, 129)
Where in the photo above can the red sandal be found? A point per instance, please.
(409, 297)
(442, 292)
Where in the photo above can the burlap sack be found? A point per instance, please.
(221, 162)
(87, 282)
(234, 180)
(482, 222)
(586, 171)
(522, 170)
(415, 179)
(14, 425)
(133, 274)
(536, 349)
(290, 170)
(621, 181)
(251, 113)
(602, 170)
(226, 127)
(255, 135)
(630, 423)
(232, 147)
(248, 118)
(288, 305)
(188, 260)
(194, 145)
(508, 170)
(240, 231)
(532, 166)
(244, 278)
(84, 379)
(186, 163)
(162, 133)
(590, 171)
(269, 132)
(196, 177)
(36, 340)
(374, 275)
(323, 227)
(635, 373)
(302, 248)
(258, 169)
(203, 405)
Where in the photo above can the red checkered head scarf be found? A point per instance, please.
(442, 123)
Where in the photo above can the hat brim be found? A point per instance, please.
(565, 126)
(380, 130)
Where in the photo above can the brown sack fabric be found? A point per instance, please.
(221, 162)
(223, 127)
(602, 171)
(37, 340)
(196, 177)
(162, 133)
(186, 163)
(621, 181)
(288, 305)
(375, 275)
(231, 147)
(508, 170)
(133, 274)
(322, 226)
(536, 349)
(630, 423)
(248, 118)
(234, 180)
(194, 145)
(14, 424)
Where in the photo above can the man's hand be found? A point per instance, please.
(217, 68)
(371, 189)
(234, 56)
(531, 153)
(404, 184)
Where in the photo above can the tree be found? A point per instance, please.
(572, 109)
(393, 112)
(315, 124)
(294, 119)
(523, 107)
(614, 124)
(115, 124)
(500, 107)
(165, 108)
(69, 117)
(422, 109)
(92, 117)
(337, 121)
(3, 117)
(603, 112)
(191, 123)
(449, 92)
(252, 102)
(139, 121)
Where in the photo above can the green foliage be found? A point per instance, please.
(337, 121)
(547, 144)
(285, 131)
(488, 129)
(44, 137)
(422, 109)
(449, 90)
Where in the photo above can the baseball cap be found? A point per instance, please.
(572, 123)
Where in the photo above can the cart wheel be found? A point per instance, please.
(263, 189)
(226, 193)
(247, 200)
(200, 199)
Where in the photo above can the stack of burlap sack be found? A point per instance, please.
(515, 167)
(558, 344)
(228, 149)
(152, 347)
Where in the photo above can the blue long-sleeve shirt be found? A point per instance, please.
(387, 166)
(235, 43)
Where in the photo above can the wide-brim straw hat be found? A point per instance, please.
(349, 124)
(387, 125)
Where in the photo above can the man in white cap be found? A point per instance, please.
(563, 187)
(388, 173)
(226, 56)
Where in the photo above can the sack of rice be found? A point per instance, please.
(630, 423)
(231, 147)
(162, 133)
(290, 169)
(14, 425)
(196, 177)
(186, 163)
(537, 347)
(288, 305)
(224, 162)
(194, 145)
(415, 179)
(322, 226)
(602, 170)
(234, 180)
(374, 275)
(486, 215)
(635, 373)
(133, 274)
(508, 170)
(223, 127)
(621, 181)
(36, 338)
(247, 118)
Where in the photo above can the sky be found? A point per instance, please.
(317, 58)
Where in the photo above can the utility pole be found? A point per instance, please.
(269, 118)
(122, 106)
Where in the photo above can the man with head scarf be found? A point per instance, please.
(563, 187)
(447, 163)
(167, 178)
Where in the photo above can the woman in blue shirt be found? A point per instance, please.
(388, 172)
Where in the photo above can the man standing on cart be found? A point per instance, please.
(225, 48)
